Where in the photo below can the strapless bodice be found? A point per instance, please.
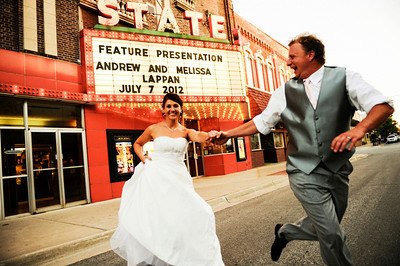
(169, 148)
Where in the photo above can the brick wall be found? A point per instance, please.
(89, 18)
(10, 24)
(257, 158)
(11, 34)
(68, 30)
(40, 26)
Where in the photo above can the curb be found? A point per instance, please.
(47, 255)
(235, 198)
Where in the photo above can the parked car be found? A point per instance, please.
(392, 138)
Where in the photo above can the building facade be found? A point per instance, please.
(265, 70)
(81, 79)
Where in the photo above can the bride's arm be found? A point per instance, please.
(201, 136)
(140, 141)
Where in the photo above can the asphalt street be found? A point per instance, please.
(372, 220)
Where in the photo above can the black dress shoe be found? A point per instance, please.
(278, 245)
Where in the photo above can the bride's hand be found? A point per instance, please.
(212, 134)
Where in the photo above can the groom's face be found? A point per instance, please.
(300, 61)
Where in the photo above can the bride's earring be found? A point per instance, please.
(163, 114)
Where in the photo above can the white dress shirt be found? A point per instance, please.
(361, 95)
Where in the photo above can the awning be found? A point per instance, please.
(258, 101)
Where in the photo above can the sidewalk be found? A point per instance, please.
(68, 235)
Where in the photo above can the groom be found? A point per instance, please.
(317, 106)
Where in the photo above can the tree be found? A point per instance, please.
(387, 127)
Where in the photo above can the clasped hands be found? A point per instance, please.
(217, 137)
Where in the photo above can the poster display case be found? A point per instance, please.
(121, 156)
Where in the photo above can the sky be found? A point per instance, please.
(361, 35)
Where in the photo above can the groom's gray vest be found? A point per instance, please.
(312, 131)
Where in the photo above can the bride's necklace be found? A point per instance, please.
(170, 129)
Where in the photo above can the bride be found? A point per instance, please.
(162, 220)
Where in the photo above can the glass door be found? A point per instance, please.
(58, 168)
(73, 170)
(45, 169)
(14, 181)
(195, 159)
(199, 159)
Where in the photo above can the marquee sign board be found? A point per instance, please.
(140, 65)
(129, 67)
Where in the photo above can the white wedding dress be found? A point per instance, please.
(162, 220)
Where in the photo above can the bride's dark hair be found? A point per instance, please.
(173, 97)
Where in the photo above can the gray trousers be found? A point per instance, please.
(324, 196)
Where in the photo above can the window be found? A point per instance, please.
(54, 115)
(219, 149)
(260, 73)
(30, 26)
(278, 140)
(50, 30)
(249, 69)
(185, 4)
(270, 74)
(11, 111)
(228, 147)
(255, 142)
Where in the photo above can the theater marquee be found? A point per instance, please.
(131, 67)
